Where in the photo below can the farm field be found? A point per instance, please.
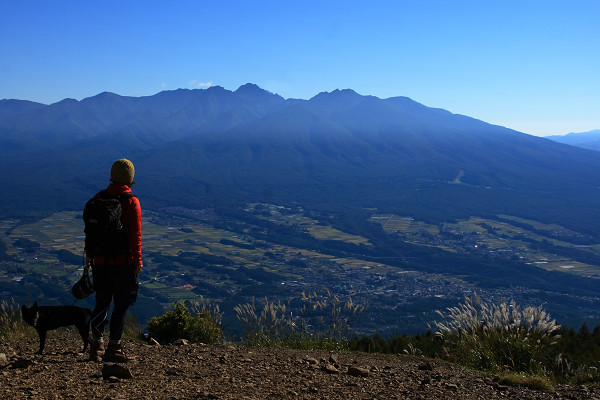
(500, 238)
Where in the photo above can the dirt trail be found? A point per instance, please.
(234, 372)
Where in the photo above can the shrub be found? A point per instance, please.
(497, 337)
(179, 323)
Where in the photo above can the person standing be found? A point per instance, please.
(115, 276)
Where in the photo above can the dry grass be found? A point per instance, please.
(204, 305)
(11, 324)
(273, 324)
(531, 382)
(322, 322)
(496, 337)
(331, 314)
(473, 316)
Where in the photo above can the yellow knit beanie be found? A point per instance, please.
(122, 172)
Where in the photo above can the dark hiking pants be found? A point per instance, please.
(113, 283)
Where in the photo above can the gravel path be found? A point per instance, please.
(234, 372)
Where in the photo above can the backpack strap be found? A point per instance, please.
(122, 196)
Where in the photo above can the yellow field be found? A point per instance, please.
(59, 231)
(395, 223)
(329, 233)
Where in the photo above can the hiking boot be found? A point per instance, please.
(115, 353)
(96, 351)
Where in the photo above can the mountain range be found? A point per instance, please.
(336, 152)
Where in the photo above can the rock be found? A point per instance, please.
(329, 369)
(333, 359)
(116, 370)
(426, 366)
(22, 363)
(357, 371)
(310, 360)
(3, 360)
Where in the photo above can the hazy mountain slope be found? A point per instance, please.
(587, 140)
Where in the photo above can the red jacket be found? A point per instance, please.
(132, 219)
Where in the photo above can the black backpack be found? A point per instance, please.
(105, 234)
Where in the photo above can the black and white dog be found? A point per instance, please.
(46, 318)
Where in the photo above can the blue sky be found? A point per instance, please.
(533, 66)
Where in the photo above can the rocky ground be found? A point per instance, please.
(235, 372)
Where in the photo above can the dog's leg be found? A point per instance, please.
(84, 332)
(42, 335)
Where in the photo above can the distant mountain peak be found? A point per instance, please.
(336, 99)
(105, 96)
(249, 87)
(337, 93)
(216, 88)
(68, 100)
(252, 89)
(345, 92)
